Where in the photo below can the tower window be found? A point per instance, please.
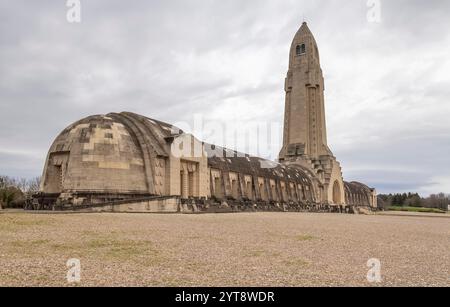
(301, 49)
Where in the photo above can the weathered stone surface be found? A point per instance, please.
(305, 135)
(125, 160)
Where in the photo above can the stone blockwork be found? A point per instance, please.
(358, 194)
(109, 159)
(96, 154)
(115, 157)
(128, 162)
(305, 133)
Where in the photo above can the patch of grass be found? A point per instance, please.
(107, 247)
(63, 247)
(169, 281)
(113, 249)
(30, 220)
(299, 237)
(124, 250)
(194, 237)
(89, 233)
(415, 209)
(28, 244)
(303, 238)
(25, 248)
(104, 247)
(296, 263)
(255, 253)
(10, 223)
(43, 279)
(9, 279)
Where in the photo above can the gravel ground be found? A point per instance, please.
(257, 249)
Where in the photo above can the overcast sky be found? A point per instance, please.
(387, 84)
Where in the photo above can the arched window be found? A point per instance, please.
(301, 49)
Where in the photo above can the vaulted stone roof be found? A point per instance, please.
(224, 159)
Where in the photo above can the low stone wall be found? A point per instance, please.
(192, 206)
(210, 206)
(168, 205)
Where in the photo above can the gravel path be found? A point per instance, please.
(259, 249)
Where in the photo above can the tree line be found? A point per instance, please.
(438, 201)
(14, 191)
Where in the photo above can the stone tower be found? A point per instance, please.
(304, 124)
(305, 133)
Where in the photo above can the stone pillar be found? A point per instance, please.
(226, 184)
(270, 196)
(212, 190)
(196, 183)
(278, 191)
(255, 184)
(283, 197)
(184, 184)
(297, 193)
(242, 186)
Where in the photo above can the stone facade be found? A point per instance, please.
(305, 136)
(305, 133)
(128, 162)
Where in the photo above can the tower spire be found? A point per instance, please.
(305, 134)
(305, 127)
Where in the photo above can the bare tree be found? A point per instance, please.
(13, 191)
(440, 201)
(33, 185)
(22, 184)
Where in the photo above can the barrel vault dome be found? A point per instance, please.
(97, 153)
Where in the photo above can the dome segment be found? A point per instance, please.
(96, 154)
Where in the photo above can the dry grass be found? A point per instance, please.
(261, 249)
